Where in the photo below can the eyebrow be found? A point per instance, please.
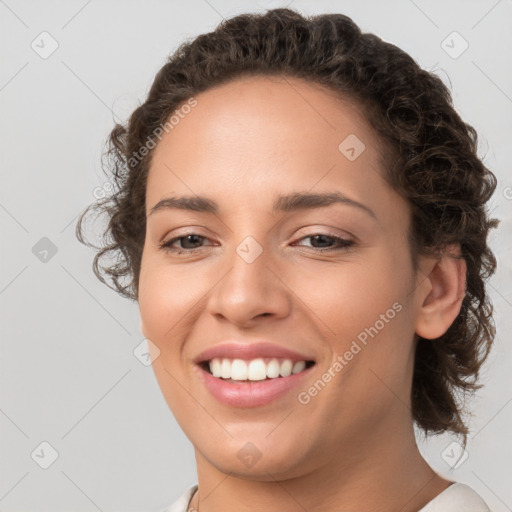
(283, 203)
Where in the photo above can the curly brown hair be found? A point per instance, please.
(431, 160)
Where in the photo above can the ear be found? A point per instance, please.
(440, 293)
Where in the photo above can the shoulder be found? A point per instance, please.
(181, 504)
(457, 497)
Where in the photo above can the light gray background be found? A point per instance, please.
(68, 373)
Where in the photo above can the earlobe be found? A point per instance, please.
(440, 306)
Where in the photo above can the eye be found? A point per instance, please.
(192, 241)
(189, 238)
(322, 239)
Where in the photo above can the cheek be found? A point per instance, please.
(166, 297)
(367, 309)
(354, 295)
(155, 303)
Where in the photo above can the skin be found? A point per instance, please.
(352, 447)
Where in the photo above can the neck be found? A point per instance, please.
(381, 474)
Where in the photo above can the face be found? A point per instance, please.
(331, 282)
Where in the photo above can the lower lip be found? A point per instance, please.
(251, 393)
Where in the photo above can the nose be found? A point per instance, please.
(250, 289)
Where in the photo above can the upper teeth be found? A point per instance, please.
(256, 369)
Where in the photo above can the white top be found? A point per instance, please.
(456, 498)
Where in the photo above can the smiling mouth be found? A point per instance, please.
(258, 369)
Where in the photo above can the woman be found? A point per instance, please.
(301, 215)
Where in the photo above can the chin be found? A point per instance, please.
(252, 461)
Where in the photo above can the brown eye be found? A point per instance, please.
(188, 242)
(321, 240)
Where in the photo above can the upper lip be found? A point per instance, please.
(245, 350)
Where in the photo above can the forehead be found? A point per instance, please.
(271, 110)
(247, 139)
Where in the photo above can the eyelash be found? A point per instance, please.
(343, 243)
